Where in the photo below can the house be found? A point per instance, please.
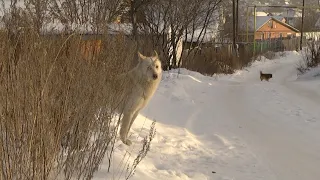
(269, 27)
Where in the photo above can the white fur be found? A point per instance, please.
(134, 89)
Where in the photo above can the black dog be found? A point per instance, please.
(265, 76)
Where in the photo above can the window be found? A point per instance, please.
(270, 23)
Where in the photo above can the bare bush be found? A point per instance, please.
(211, 60)
(310, 57)
(54, 120)
(143, 152)
(269, 55)
(208, 62)
(282, 54)
(50, 118)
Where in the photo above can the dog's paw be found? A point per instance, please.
(126, 142)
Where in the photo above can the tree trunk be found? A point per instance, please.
(173, 46)
(133, 18)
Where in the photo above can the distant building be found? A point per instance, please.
(269, 27)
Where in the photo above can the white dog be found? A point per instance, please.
(134, 89)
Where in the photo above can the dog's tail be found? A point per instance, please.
(260, 72)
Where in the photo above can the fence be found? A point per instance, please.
(277, 45)
(220, 58)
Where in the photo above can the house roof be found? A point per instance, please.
(261, 20)
(261, 13)
(205, 36)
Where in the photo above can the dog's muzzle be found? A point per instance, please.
(155, 76)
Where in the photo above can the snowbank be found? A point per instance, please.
(233, 125)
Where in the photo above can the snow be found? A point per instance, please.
(261, 13)
(235, 125)
(205, 36)
(312, 74)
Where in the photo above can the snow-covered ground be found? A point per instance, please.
(235, 125)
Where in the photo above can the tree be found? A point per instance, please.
(133, 10)
(311, 17)
(171, 21)
(91, 15)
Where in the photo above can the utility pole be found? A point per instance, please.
(254, 31)
(302, 19)
(237, 27)
(234, 25)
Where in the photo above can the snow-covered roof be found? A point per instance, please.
(261, 13)
(55, 26)
(111, 28)
(208, 36)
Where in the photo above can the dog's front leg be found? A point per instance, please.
(129, 127)
(132, 120)
(124, 129)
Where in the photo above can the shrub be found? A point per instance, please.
(53, 117)
(310, 57)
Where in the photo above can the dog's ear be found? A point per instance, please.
(156, 54)
(141, 57)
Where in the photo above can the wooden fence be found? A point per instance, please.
(221, 58)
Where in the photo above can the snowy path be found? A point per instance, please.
(237, 126)
(283, 124)
(279, 121)
(278, 128)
